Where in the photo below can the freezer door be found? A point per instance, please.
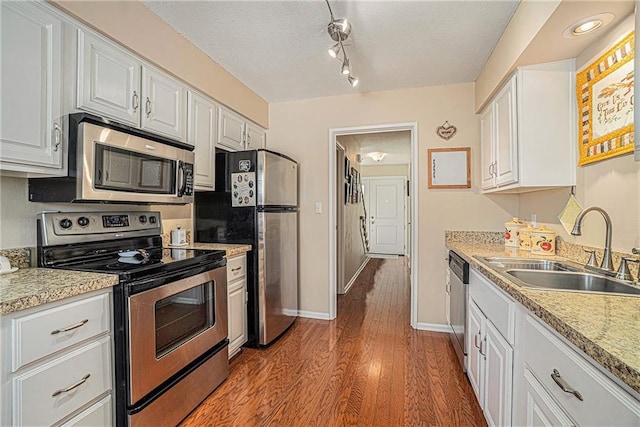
(277, 273)
(277, 180)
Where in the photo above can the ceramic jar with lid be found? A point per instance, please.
(512, 232)
(543, 241)
(525, 237)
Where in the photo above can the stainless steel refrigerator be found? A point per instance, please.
(256, 202)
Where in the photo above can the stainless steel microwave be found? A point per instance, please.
(110, 162)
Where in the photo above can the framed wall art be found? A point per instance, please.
(605, 104)
(449, 167)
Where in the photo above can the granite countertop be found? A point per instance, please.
(605, 327)
(232, 249)
(31, 287)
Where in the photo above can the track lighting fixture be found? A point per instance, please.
(339, 30)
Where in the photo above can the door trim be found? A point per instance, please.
(333, 134)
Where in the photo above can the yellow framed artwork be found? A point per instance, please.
(605, 104)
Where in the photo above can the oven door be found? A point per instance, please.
(172, 325)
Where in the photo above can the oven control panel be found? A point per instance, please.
(91, 224)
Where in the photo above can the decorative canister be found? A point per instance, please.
(512, 232)
(525, 237)
(543, 241)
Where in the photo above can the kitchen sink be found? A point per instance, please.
(572, 281)
(530, 264)
(554, 275)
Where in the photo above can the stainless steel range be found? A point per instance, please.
(170, 308)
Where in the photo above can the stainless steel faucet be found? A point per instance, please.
(607, 262)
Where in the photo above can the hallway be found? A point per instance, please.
(367, 367)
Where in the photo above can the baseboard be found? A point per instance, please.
(313, 315)
(433, 327)
(355, 276)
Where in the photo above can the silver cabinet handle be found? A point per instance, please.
(136, 101)
(475, 340)
(236, 269)
(148, 107)
(58, 137)
(70, 328)
(491, 170)
(564, 386)
(72, 386)
(484, 341)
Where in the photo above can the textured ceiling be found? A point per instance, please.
(279, 48)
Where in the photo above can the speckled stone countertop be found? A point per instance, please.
(232, 250)
(605, 327)
(31, 287)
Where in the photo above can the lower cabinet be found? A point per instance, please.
(489, 367)
(57, 363)
(237, 302)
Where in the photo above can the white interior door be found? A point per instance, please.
(387, 217)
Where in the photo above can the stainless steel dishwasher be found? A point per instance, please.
(457, 291)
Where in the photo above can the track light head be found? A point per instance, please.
(353, 81)
(334, 50)
(345, 67)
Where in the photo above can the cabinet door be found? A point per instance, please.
(541, 409)
(506, 141)
(31, 80)
(475, 359)
(237, 298)
(201, 133)
(255, 137)
(108, 80)
(231, 131)
(498, 377)
(164, 104)
(487, 147)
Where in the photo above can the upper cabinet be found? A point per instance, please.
(201, 125)
(235, 133)
(528, 131)
(114, 84)
(31, 129)
(108, 80)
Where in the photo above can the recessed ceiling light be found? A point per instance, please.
(587, 25)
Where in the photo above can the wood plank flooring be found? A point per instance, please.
(366, 368)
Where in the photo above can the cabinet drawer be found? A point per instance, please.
(604, 402)
(33, 400)
(98, 414)
(236, 267)
(34, 336)
(495, 304)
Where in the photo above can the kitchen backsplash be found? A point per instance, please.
(474, 236)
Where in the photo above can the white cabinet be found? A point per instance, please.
(541, 409)
(579, 390)
(164, 100)
(31, 103)
(115, 84)
(237, 302)
(108, 79)
(56, 363)
(490, 358)
(255, 137)
(201, 133)
(236, 134)
(527, 131)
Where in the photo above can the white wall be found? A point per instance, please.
(385, 170)
(612, 184)
(301, 130)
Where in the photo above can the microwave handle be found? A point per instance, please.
(182, 179)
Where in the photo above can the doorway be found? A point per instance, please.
(340, 154)
(412, 128)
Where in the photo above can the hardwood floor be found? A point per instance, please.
(368, 367)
